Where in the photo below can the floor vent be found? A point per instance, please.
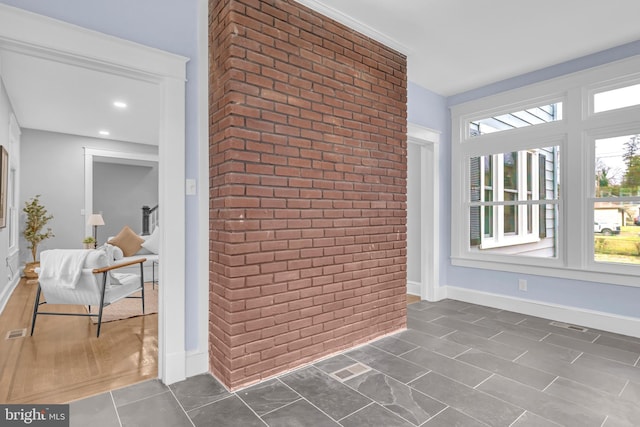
(16, 333)
(568, 326)
(349, 372)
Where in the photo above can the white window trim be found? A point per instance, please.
(574, 134)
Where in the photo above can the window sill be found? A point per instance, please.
(551, 269)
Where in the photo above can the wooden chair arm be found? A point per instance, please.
(116, 266)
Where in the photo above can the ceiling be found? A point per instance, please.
(452, 46)
(457, 45)
(52, 96)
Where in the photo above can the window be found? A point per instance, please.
(616, 205)
(617, 98)
(536, 193)
(507, 201)
(517, 119)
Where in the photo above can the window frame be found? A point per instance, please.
(574, 134)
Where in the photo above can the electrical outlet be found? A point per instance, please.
(522, 285)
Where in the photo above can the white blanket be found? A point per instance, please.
(61, 267)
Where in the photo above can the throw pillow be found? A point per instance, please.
(152, 243)
(127, 240)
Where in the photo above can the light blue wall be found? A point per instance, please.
(168, 25)
(621, 300)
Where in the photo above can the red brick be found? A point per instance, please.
(307, 188)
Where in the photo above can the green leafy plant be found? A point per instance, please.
(88, 240)
(37, 218)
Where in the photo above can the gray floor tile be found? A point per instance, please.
(545, 325)
(552, 408)
(532, 420)
(523, 374)
(439, 345)
(523, 331)
(159, 410)
(96, 411)
(590, 377)
(614, 422)
(454, 304)
(452, 418)
(393, 345)
(388, 364)
(125, 395)
(374, 415)
(420, 305)
(334, 363)
(618, 343)
(428, 328)
(299, 414)
(470, 328)
(631, 392)
(488, 346)
(482, 310)
(595, 349)
(467, 316)
(228, 412)
(450, 368)
(399, 398)
(478, 405)
(620, 370)
(595, 400)
(198, 390)
(536, 347)
(268, 396)
(329, 395)
(498, 315)
(425, 315)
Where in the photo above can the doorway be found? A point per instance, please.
(422, 213)
(52, 40)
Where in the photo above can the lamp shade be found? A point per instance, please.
(95, 219)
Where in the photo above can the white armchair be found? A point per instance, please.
(98, 285)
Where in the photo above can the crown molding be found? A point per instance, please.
(354, 24)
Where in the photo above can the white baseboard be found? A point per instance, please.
(197, 362)
(413, 288)
(578, 316)
(8, 290)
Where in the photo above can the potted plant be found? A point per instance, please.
(89, 242)
(37, 218)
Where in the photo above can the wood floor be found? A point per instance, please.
(412, 298)
(63, 360)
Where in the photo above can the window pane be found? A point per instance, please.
(518, 119)
(617, 98)
(508, 212)
(617, 172)
(616, 238)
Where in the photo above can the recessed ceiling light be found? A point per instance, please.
(119, 104)
(104, 132)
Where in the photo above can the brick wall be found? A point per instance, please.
(308, 188)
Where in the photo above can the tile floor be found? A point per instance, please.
(457, 364)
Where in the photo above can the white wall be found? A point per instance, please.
(52, 165)
(9, 273)
(119, 192)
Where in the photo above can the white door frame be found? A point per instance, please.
(36, 35)
(89, 158)
(428, 141)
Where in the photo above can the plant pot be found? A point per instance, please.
(89, 245)
(29, 270)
